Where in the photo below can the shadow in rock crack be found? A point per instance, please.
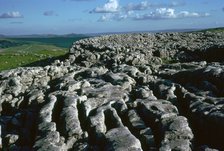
(211, 54)
(204, 118)
(18, 128)
(47, 61)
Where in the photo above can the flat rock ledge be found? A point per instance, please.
(128, 92)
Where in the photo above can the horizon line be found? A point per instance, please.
(109, 32)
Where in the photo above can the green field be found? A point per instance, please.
(16, 52)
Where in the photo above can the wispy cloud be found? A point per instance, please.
(50, 13)
(169, 13)
(144, 5)
(140, 6)
(112, 16)
(14, 14)
(111, 6)
(172, 4)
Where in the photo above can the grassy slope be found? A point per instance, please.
(22, 55)
(219, 29)
(15, 52)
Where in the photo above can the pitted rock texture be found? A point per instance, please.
(120, 92)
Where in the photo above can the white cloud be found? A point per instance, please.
(111, 6)
(104, 18)
(184, 14)
(168, 13)
(141, 6)
(175, 3)
(11, 15)
(144, 5)
(164, 13)
(113, 16)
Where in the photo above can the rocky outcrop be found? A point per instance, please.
(119, 92)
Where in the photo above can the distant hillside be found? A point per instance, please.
(219, 29)
(43, 35)
(63, 41)
(5, 43)
(2, 36)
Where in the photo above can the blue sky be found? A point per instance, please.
(95, 16)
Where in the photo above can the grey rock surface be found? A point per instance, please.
(119, 92)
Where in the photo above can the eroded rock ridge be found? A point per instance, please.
(120, 92)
